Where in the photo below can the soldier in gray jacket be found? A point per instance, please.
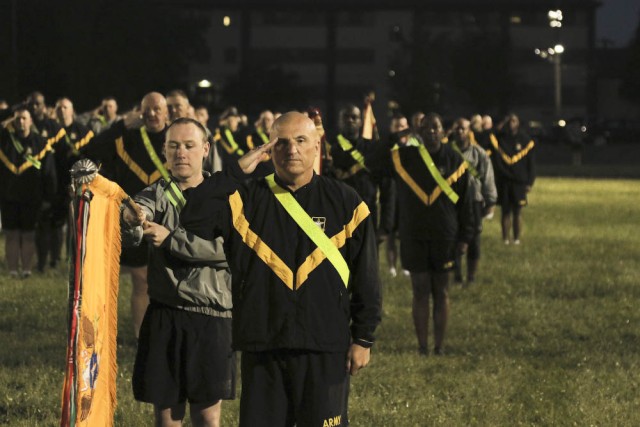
(184, 350)
(484, 189)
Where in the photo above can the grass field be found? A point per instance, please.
(549, 335)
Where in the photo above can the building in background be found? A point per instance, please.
(336, 51)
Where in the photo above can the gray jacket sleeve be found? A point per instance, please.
(487, 179)
(189, 247)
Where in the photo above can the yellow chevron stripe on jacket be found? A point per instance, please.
(511, 160)
(51, 141)
(17, 170)
(133, 166)
(84, 141)
(268, 255)
(354, 169)
(218, 138)
(427, 199)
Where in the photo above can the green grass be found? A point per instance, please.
(549, 335)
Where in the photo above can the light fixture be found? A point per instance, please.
(204, 83)
(226, 21)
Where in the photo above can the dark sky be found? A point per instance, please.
(617, 21)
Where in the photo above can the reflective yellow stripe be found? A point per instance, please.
(340, 174)
(472, 138)
(263, 136)
(251, 239)
(84, 141)
(511, 160)
(427, 199)
(250, 142)
(269, 257)
(133, 166)
(232, 143)
(435, 173)
(17, 170)
(317, 256)
(310, 228)
(356, 155)
(424, 197)
(8, 163)
(61, 133)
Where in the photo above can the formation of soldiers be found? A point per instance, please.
(39, 143)
(424, 185)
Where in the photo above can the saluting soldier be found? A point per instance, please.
(131, 150)
(306, 292)
(28, 179)
(258, 137)
(228, 137)
(355, 158)
(53, 132)
(66, 153)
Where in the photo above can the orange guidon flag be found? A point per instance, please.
(368, 122)
(89, 390)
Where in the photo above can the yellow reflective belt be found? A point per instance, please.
(355, 154)
(427, 199)
(473, 170)
(232, 143)
(435, 173)
(412, 142)
(310, 228)
(70, 144)
(21, 151)
(263, 136)
(173, 192)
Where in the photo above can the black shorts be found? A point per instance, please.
(511, 195)
(19, 216)
(135, 256)
(421, 256)
(293, 387)
(183, 356)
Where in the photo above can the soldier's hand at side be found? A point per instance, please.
(155, 233)
(489, 212)
(357, 358)
(253, 158)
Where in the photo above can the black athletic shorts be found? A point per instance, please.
(294, 387)
(511, 195)
(19, 216)
(135, 256)
(183, 356)
(421, 256)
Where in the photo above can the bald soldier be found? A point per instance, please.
(130, 153)
(306, 300)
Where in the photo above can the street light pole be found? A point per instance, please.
(557, 80)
